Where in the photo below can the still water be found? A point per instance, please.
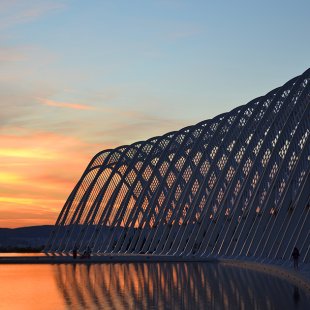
(145, 286)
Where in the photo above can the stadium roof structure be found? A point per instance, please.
(235, 185)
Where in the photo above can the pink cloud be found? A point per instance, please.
(62, 104)
(17, 12)
(11, 54)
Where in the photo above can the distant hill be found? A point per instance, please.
(23, 238)
(34, 238)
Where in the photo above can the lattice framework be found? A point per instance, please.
(235, 185)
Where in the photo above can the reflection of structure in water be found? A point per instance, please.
(296, 295)
(173, 286)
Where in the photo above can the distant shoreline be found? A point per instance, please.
(31, 239)
(21, 249)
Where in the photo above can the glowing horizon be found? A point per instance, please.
(37, 173)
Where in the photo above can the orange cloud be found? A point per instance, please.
(38, 170)
(61, 104)
(9, 178)
(34, 153)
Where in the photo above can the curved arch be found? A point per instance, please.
(233, 185)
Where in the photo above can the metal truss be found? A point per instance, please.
(235, 185)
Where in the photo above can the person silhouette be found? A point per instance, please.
(295, 256)
(74, 252)
(88, 252)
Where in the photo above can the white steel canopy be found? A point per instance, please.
(235, 185)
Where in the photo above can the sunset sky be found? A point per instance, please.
(77, 77)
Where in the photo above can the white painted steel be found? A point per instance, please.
(236, 185)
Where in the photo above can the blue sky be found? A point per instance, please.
(97, 74)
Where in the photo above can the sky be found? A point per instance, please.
(78, 77)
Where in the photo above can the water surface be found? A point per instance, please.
(21, 254)
(145, 286)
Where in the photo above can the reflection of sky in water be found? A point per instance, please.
(145, 286)
(21, 254)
